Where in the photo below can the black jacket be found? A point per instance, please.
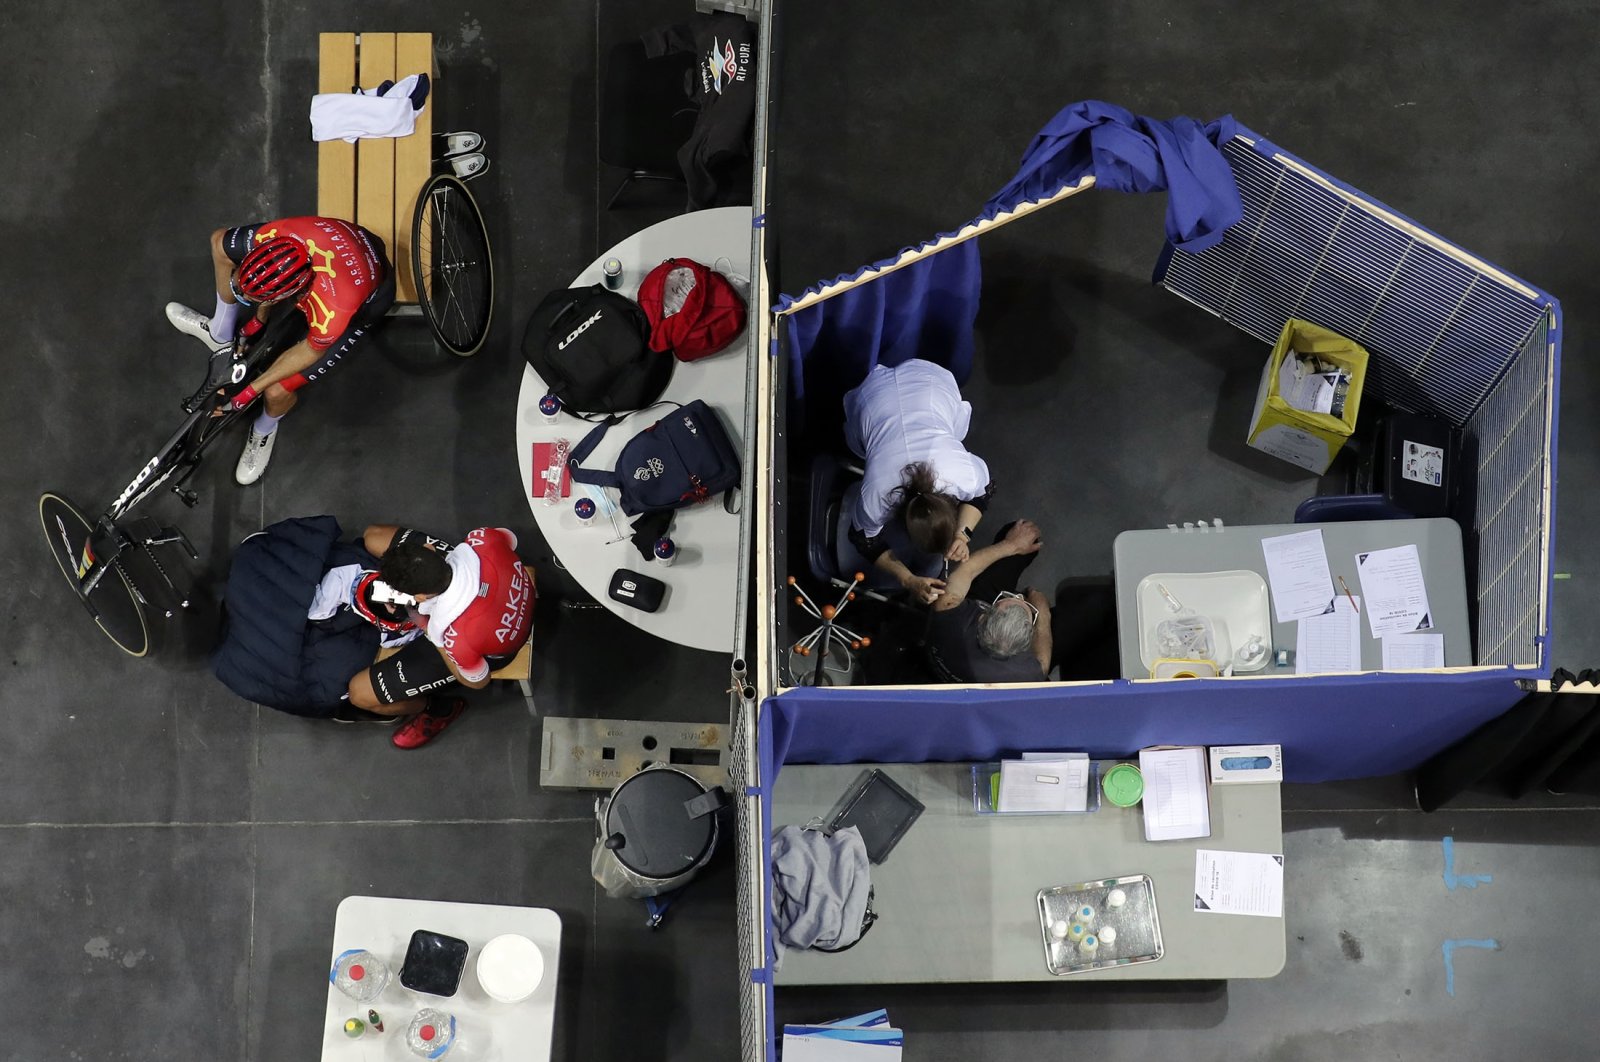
(716, 160)
(271, 653)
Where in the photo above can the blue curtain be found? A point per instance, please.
(1354, 726)
(927, 309)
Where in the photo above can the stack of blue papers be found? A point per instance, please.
(863, 1038)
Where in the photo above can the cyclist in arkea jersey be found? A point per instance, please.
(335, 273)
(473, 601)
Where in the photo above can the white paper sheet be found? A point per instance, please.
(1176, 804)
(1297, 571)
(1057, 784)
(1330, 642)
(1241, 883)
(1404, 652)
(1391, 582)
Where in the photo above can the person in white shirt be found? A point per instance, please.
(923, 492)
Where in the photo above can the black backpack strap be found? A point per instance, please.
(596, 477)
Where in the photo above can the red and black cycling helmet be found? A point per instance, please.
(380, 615)
(278, 269)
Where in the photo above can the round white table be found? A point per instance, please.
(698, 610)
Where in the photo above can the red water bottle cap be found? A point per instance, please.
(357, 972)
(427, 1032)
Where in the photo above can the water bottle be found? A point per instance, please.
(359, 974)
(432, 1033)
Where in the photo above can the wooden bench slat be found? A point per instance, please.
(413, 159)
(336, 160)
(375, 155)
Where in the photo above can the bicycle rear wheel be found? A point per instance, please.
(450, 260)
(114, 603)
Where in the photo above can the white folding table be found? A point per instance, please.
(489, 1030)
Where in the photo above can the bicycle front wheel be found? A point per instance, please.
(114, 603)
(450, 260)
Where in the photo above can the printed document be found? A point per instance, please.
(1057, 784)
(1391, 580)
(1242, 883)
(1331, 642)
(1406, 652)
(1312, 392)
(1176, 804)
(1297, 569)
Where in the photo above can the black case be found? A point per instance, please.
(433, 963)
(640, 591)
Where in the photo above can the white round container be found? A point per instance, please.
(510, 968)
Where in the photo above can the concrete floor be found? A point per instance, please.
(174, 855)
(896, 121)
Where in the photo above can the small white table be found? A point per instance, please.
(702, 584)
(493, 1030)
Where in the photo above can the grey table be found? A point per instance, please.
(957, 896)
(1140, 553)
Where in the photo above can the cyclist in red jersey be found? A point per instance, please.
(335, 273)
(474, 602)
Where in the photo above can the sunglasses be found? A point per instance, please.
(1007, 595)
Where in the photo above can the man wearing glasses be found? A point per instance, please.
(982, 630)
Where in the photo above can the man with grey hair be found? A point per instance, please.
(982, 629)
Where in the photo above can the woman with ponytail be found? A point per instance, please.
(923, 493)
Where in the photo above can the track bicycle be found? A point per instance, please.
(113, 562)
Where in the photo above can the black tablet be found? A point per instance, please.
(880, 808)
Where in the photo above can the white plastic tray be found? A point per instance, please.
(1238, 600)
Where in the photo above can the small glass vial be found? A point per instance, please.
(612, 270)
(1084, 916)
(1089, 947)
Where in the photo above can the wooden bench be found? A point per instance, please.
(375, 182)
(519, 669)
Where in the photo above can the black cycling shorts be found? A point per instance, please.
(414, 671)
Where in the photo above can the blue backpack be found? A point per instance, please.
(682, 459)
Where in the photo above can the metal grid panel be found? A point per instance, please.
(1442, 331)
(1512, 436)
(744, 771)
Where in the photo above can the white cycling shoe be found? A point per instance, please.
(192, 323)
(253, 461)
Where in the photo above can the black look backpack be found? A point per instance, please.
(591, 348)
(682, 459)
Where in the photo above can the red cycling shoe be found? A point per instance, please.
(425, 725)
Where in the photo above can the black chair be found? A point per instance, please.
(646, 114)
(831, 555)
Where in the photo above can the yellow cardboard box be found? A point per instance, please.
(1310, 440)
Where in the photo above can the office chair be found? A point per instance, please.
(646, 115)
(829, 552)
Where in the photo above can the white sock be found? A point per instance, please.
(224, 321)
(266, 424)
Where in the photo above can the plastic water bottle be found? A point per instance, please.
(432, 1033)
(359, 974)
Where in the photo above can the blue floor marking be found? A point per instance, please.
(1449, 957)
(1451, 878)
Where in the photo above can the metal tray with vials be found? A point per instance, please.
(1136, 922)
